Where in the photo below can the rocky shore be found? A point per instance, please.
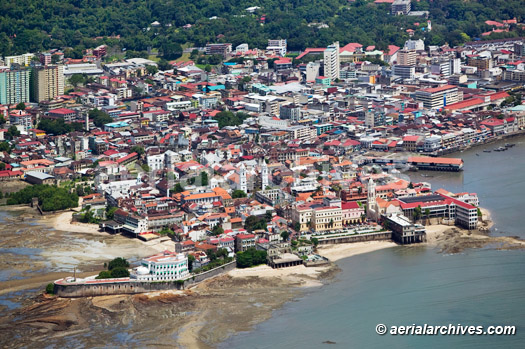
(200, 317)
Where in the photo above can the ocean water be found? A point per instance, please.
(408, 285)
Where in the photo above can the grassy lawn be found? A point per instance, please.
(185, 56)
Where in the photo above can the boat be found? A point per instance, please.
(509, 145)
(500, 149)
(487, 151)
(477, 154)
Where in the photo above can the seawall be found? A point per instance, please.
(130, 286)
(357, 238)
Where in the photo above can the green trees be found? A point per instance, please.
(12, 132)
(178, 188)
(151, 69)
(99, 117)
(217, 258)
(191, 259)
(138, 149)
(254, 223)
(50, 288)
(76, 79)
(117, 268)
(251, 257)
(167, 231)
(89, 217)
(227, 118)
(204, 178)
(285, 235)
(58, 127)
(238, 194)
(20, 106)
(118, 262)
(50, 198)
(417, 213)
(110, 212)
(43, 25)
(217, 230)
(4, 146)
(164, 65)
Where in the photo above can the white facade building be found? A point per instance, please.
(156, 162)
(164, 266)
(277, 47)
(331, 61)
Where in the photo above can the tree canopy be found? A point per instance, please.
(50, 198)
(250, 257)
(254, 223)
(99, 117)
(238, 194)
(36, 25)
(227, 118)
(59, 126)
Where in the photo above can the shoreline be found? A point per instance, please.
(298, 279)
(519, 133)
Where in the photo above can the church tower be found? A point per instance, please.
(371, 203)
(243, 185)
(264, 175)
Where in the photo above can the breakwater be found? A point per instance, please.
(93, 288)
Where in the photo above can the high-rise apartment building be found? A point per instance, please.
(331, 61)
(14, 86)
(48, 82)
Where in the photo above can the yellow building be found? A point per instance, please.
(327, 218)
(302, 214)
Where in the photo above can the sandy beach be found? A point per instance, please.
(63, 221)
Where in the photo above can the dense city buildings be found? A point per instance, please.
(258, 151)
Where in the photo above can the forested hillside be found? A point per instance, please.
(33, 25)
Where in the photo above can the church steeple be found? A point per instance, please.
(264, 175)
(243, 185)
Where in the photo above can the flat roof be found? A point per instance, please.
(39, 175)
(425, 198)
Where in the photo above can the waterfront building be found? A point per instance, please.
(404, 231)
(244, 242)
(165, 266)
(441, 206)
(327, 218)
(352, 212)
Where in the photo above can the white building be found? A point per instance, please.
(241, 49)
(23, 60)
(164, 266)
(331, 61)
(417, 45)
(312, 71)
(277, 47)
(156, 162)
